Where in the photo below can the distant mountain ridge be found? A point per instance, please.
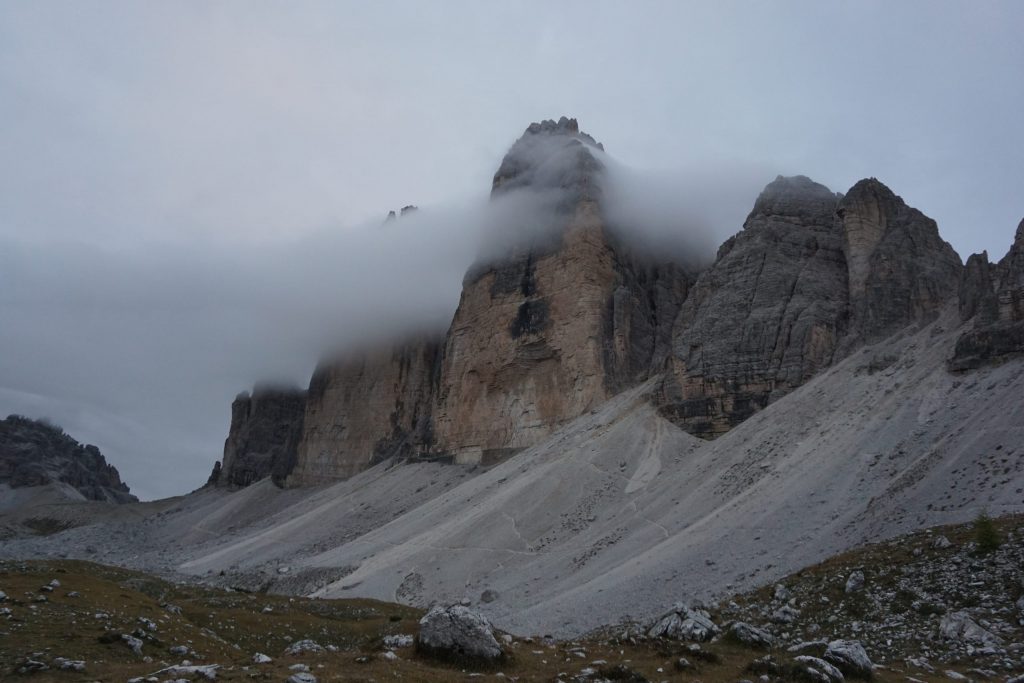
(37, 453)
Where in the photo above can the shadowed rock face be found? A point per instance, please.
(993, 296)
(765, 317)
(263, 438)
(364, 408)
(812, 276)
(35, 453)
(901, 272)
(543, 335)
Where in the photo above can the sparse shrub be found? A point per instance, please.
(985, 534)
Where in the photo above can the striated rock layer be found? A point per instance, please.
(365, 407)
(992, 295)
(263, 438)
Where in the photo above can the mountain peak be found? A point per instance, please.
(551, 155)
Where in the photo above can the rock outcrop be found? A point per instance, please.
(263, 438)
(548, 332)
(458, 633)
(365, 407)
(993, 297)
(765, 317)
(901, 272)
(811, 276)
(37, 453)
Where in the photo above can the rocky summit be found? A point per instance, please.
(36, 454)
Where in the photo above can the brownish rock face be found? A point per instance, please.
(546, 334)
(363, 408)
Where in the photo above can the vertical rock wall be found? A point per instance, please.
(365, 407)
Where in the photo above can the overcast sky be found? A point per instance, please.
(190, 192)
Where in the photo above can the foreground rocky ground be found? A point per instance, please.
(938, 605)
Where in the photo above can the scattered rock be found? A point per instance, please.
(781, 593)
(849, 656)
(302, 677)
(178, 650)
(941, 542)
(684, 623)
(390, 656)
(260, 658)
(458, 632)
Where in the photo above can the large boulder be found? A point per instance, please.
(684, 623)
(457, 632)
(850, 657)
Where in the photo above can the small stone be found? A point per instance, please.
(390, 656)
(750, 635)
(394, 642)
(133, 643)
(855, 581)
(302, 677)
(260, 658)
(941, 542)
(785, 615)
(300, 646)
(820, 669)
(850, 657)
(65, 664)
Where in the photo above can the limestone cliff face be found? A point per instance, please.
(993, 296)
(901, 271)
(765, 317)
(547, 333)
(263, 437)
(365, 407)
